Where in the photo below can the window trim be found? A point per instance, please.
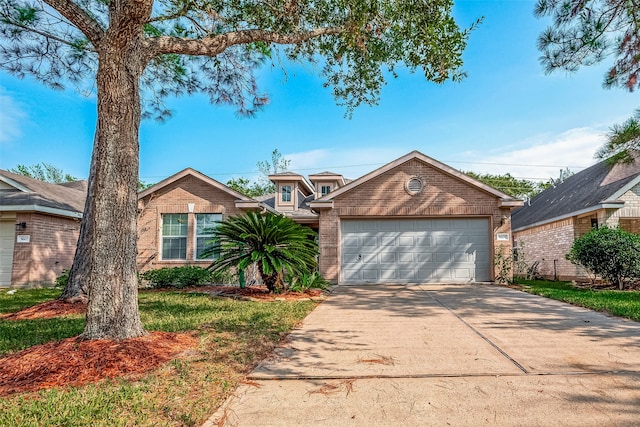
(282, 194)
(173, 236)
(322, 192)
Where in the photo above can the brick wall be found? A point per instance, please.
(548, 244)
(631, 208)
(51, 247)
(385, 196)
(174, 198)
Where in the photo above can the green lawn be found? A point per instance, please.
(234, 336)
(618, 303)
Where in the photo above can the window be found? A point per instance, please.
(324, 190)
(205, 223)
(174, 236)
(286, 193)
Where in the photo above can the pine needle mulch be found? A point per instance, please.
(73, 362)
(47, 310)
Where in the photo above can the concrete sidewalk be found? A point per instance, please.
(446, 355)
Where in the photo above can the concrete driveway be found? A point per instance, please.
(462, 355)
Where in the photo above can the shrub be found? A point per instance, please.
(503, 261)
(178, 277)
(306, 281)
(62, 279)
(610, 253)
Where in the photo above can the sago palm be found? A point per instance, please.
(274, 242)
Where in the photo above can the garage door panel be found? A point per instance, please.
(442, 240)
(370, 258)
(462, 273)
(350, 275)
(387, 241)
(405, 257)
(406, 226)
(423, 241)
(441, 225)
(406, 274)
(442, 257)
(442, 274)
(350, 242)
(387, 226)
(387, 256)
(370, 274)
(424, 257)
(368, 241)
(387, 274)
(406, 241)
(7, 239)
(446, 250)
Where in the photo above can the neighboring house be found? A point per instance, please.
(412, 220)
(547, 226)
(39, 227)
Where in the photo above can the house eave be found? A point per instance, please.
(511, 203)
(321, 204)
(582, 212)
(253, 205)
(15, 184)
(42, 209)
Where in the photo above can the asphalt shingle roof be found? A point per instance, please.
(68, 196)
(585, 189)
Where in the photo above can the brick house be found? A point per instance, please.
(174, 214)
(547, 225)
(39, 227)
(412, 220)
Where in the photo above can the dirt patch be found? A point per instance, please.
(73, 362)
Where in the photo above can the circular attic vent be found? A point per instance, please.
(414, 185)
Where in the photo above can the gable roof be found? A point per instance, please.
(505, 198)
(291, 176)
(199, 175)
(29, 194)
(596, 187)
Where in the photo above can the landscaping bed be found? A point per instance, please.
(202, 343)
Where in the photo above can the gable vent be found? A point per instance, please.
(414, 185)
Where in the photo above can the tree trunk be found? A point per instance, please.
(106, 256)
(273, 282)
(76, 288)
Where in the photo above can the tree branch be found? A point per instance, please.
(215, 45)
(80, 18)
(46, 35)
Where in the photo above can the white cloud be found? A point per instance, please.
(350, 162)
(542, 157)
(11, 118)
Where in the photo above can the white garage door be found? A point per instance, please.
(7, 237)
(414, 251)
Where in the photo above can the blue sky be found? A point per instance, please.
(506, 116)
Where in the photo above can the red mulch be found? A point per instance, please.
(255, 292)
(47, 310)
(75, 362)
